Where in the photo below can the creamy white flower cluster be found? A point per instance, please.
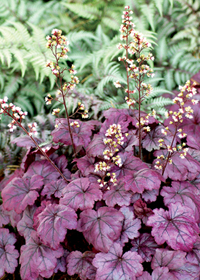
(13, 111)
(134, 44)
(184, 100)
(113, 139)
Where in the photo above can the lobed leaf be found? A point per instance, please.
(81, 194)
(21, 192)
(54, 221)
(117, 195)
(145, 246)
(177, 227)
(131, 226)
(102, 227)
(37, 259)
(116, 265)
(81, 264)
(8, 253)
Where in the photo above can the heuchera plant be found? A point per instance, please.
(124, 202)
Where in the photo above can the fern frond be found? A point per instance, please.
(83, 10)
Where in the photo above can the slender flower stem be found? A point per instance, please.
(39, 148)
(169, 154)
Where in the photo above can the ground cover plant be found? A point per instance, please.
(116, 198)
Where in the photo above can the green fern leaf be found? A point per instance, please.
(158, 4)
(85, 11)
(149, 12)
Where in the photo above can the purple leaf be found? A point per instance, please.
(61, 263)
(96, 146)
(194, 255)
(81, 194)
(181, 169)
(43, 168)
(54, 188)
(117, 195)
(182, 192)
(8, 253)
(162, 273)
(150, 196)
(54, 221)
(116, 116)
(62, 163)
(17, 174)
(102, 227)
(177, 227)
(150, 142)
(145, 276)
(143, 179)
(145, 246)
(37, 259)
(142, 211)
(81, 264)
(25, 225)
(21, 192)
(130, 165)
(85, 164)
(131, 226)
(166, 258)
(81, 132)
(175, 261)
(115, 265)
(25, 141)
(4, 216)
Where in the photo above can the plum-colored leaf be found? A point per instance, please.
(96, 146)
(145, 246)
(54, 188)
(117, 195)
(194, 255)
(85, 164)
(4, 216)
(181, 169)
(131, 226)
(102, 227)
(37, 259)
(130, 165)
(116, 116)
(150, 142)
(14, 218)
(143, 179)
(162, 273)
(25, 225)
(62, 163)
(166, 258)
(144, 276)
(43, 168)
(141, 210)
(175, 261)
(116, 265)
(8, 253)
(25, 141)
(21, 192)
(17, 174)
(150, 196)
(54, 221)
(182, 192)
(81, 133)
(39, 210)
(81, 194)
(61, 263)
(177, 226)
(81, 264)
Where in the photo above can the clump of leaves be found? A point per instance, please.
(100, 210)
